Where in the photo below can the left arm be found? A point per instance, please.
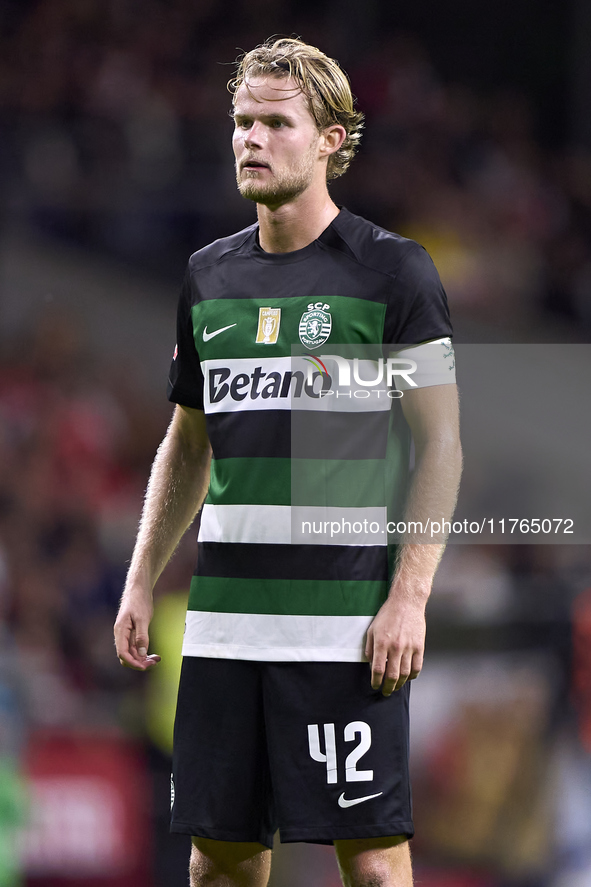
(396, 637)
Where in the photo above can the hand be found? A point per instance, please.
(395, 643)
(131, 633)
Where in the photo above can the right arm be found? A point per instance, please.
(176, 490)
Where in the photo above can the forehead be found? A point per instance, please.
(271, 95)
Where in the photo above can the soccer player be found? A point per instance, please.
(281, 722)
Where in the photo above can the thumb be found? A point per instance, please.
(142, 640)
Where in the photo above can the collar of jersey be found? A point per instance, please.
(298, 255)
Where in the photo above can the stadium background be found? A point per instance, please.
(114, 165)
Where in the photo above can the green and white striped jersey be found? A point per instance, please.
(299, 360)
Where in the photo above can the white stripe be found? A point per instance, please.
(275, 638)
(351, 386)
(270, 524)
(287, 525)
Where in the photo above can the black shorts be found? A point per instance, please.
(306, 747)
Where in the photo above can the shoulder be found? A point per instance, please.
(224, 248)
(416, 303)
(377, 248)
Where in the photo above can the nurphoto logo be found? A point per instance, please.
(386, 369)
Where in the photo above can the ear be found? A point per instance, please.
(331, 139)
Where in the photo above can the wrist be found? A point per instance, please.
(411, 589)
(137, 588)
(141, 572)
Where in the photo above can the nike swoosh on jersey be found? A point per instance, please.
(207, 336)
(344, 803)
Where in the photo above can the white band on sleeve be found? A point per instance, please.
(435, 360)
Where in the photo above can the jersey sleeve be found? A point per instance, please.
(418, 329)
(185, 381)
(417, 309)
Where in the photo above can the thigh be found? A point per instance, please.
(338, 752)
(221, 781)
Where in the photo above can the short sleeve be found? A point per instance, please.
(185, 381)
(417, 309)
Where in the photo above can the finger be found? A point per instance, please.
(129, 662)
(378, 667)
(392, 674)
(132, 651)
(397, 671)
(405, 671)
(388, 687)
(140, 640)
(417, 666)
(121, 633)
(369, 655)
(125, 643)
(122, 636)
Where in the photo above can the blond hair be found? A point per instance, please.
(322, 81)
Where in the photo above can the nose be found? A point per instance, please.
(255, 136)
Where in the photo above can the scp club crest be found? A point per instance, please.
(315, 325)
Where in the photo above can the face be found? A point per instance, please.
(276, 143)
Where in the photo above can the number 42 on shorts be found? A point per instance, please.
(329, 756)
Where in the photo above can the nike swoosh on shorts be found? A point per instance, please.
(207, 336)
(344, 803)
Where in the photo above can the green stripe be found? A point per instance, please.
(352, 483)
(354, 321)
(250, 481)
(344, 483)
(302, 597)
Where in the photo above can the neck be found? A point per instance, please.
(294, 225)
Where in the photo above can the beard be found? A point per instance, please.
(283, 187)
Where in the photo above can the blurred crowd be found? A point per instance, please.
(114, 136)
(75, 443)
